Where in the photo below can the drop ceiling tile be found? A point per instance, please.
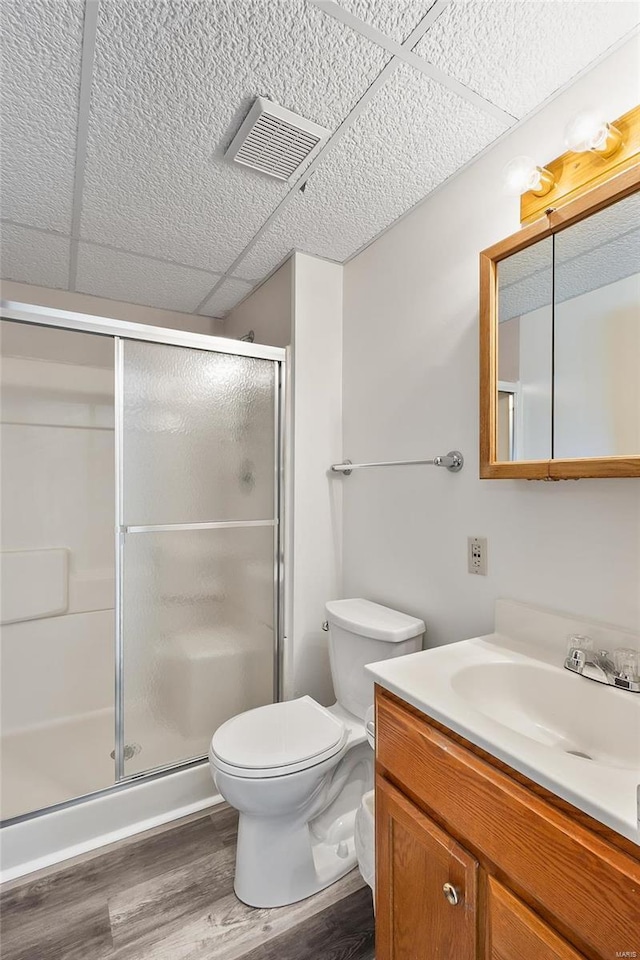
(395, 18)
(411, 136)
(32, 256)
(135, 279)
(226, 297)
(173, 81)
(516, 53)
(275, 244)
(41, 51)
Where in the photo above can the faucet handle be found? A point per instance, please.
(626, 661)
(578, 641)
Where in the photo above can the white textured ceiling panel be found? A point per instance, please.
(32, 256)
(172, 82)
(516, 53)
(41, 51)
(395, 18)
(411, 137)
(226, 296)
(134, 279)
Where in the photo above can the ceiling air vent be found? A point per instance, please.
(275, 141)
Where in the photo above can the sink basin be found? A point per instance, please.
(509, 694)
(556, 708)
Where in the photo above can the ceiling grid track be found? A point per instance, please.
(49, 231)
(89, 32)
(414, 37)
(518, 123)
(394, 48)
(404, 52)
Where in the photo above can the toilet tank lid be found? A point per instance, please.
(372, 620)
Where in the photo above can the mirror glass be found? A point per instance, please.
(525, 326)
(597, 334)
(568, 311)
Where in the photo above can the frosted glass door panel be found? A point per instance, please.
(198, 619)
(198, 435)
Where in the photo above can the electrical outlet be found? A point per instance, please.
(477, 555)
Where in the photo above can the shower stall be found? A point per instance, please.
(142, 550)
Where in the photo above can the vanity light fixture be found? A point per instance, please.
(522, 175)
(590, 131)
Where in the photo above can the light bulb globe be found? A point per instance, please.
(521, 174)
(587, 131)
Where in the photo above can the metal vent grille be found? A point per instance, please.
(275, 141)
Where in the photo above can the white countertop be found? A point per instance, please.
(518, 703)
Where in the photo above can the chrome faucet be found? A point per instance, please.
(599, 666)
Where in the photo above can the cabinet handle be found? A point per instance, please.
(451, 894)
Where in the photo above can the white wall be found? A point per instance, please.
(267, 311)
(300, 306)
(410, 389)
(315, 501)
(113, 309)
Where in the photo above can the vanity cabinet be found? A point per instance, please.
(475, 862)
(417, 862)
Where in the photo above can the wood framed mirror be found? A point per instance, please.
(560, 341)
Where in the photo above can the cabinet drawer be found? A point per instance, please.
(515, 931)
(589, 887)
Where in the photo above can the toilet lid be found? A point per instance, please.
(279, 735)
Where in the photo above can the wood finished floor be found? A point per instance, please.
(169, 895)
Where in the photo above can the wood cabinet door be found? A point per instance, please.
(513, 930)
(415, 859)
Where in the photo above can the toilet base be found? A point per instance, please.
(263, 863)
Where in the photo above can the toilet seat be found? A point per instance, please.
(277, 739)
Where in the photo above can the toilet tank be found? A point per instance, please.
(362, 632)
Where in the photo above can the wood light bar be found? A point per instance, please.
(575, 173)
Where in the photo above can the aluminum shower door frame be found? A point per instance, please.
(119, 331)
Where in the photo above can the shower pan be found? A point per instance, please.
(142, 550)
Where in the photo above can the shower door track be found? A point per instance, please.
(87, 323)
(120, 330)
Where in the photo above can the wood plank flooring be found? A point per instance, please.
(168, 895)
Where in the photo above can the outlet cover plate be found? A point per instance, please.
(477, 555)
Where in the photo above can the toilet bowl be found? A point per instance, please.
(295, 832)
(297, 771)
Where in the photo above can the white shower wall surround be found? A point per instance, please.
(57, 569)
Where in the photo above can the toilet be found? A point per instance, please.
(365, 822)
(297, 771)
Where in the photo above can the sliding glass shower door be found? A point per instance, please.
(167, 445)
(198, 447)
